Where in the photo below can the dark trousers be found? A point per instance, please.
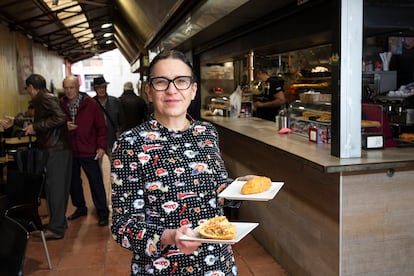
(57, 187)
(94, 174)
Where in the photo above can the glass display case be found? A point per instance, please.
(311, 120)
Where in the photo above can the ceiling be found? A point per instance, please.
(73, 29)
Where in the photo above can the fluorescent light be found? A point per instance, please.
(106, 25)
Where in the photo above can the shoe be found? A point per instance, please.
(77, 214)
(49, 235)
(103, 221)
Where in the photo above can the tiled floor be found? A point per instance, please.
(88, 249)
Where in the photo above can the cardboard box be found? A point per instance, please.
(320, 135)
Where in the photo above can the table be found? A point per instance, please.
(24, 140)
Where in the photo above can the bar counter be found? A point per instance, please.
(333, 216)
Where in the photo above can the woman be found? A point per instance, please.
(166, 175)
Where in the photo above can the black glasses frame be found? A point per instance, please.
(171, 81)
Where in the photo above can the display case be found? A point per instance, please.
(311, 120)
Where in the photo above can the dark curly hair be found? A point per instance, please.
(171, 54)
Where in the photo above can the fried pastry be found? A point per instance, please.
(256, 185)
(218, 228)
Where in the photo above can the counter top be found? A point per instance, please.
(317, 155)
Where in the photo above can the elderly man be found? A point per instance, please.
(110, 108)
(88, 134)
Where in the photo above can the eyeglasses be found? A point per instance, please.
(162, 84)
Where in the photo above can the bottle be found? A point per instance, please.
(369, 66)
(282, 119)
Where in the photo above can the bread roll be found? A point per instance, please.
(256, 185)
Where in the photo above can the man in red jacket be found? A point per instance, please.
(88, 134)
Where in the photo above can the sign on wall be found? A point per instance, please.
(24, 56)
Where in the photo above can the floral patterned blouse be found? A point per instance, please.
(164, 179)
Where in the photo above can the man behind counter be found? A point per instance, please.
(268, 103)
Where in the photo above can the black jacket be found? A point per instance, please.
(134, 110)
(50, 122)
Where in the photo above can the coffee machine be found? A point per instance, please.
(400, 113)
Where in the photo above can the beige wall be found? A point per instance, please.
(45, 62)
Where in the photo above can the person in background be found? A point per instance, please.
(88, 134)
(268, 104)
(134, 109)
(166, 175)
(49, 126)
(110, 108)
(17, 123)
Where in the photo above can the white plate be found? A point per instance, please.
(233, 191)
(242, 229)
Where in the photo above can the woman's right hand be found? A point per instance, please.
(172, 236)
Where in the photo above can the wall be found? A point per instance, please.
(377, 223)
(45, 63)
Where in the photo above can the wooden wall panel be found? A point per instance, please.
(378, 223)
(45, 62)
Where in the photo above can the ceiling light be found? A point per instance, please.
(106, 25)
(107, 34)
(108, 42)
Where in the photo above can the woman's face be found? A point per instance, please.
(171, 102)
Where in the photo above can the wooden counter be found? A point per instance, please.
(333, 216)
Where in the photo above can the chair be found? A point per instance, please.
(13, 239)
(24, 191)
(3, 204)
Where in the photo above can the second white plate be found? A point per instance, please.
(242, 229)
(233, 191)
